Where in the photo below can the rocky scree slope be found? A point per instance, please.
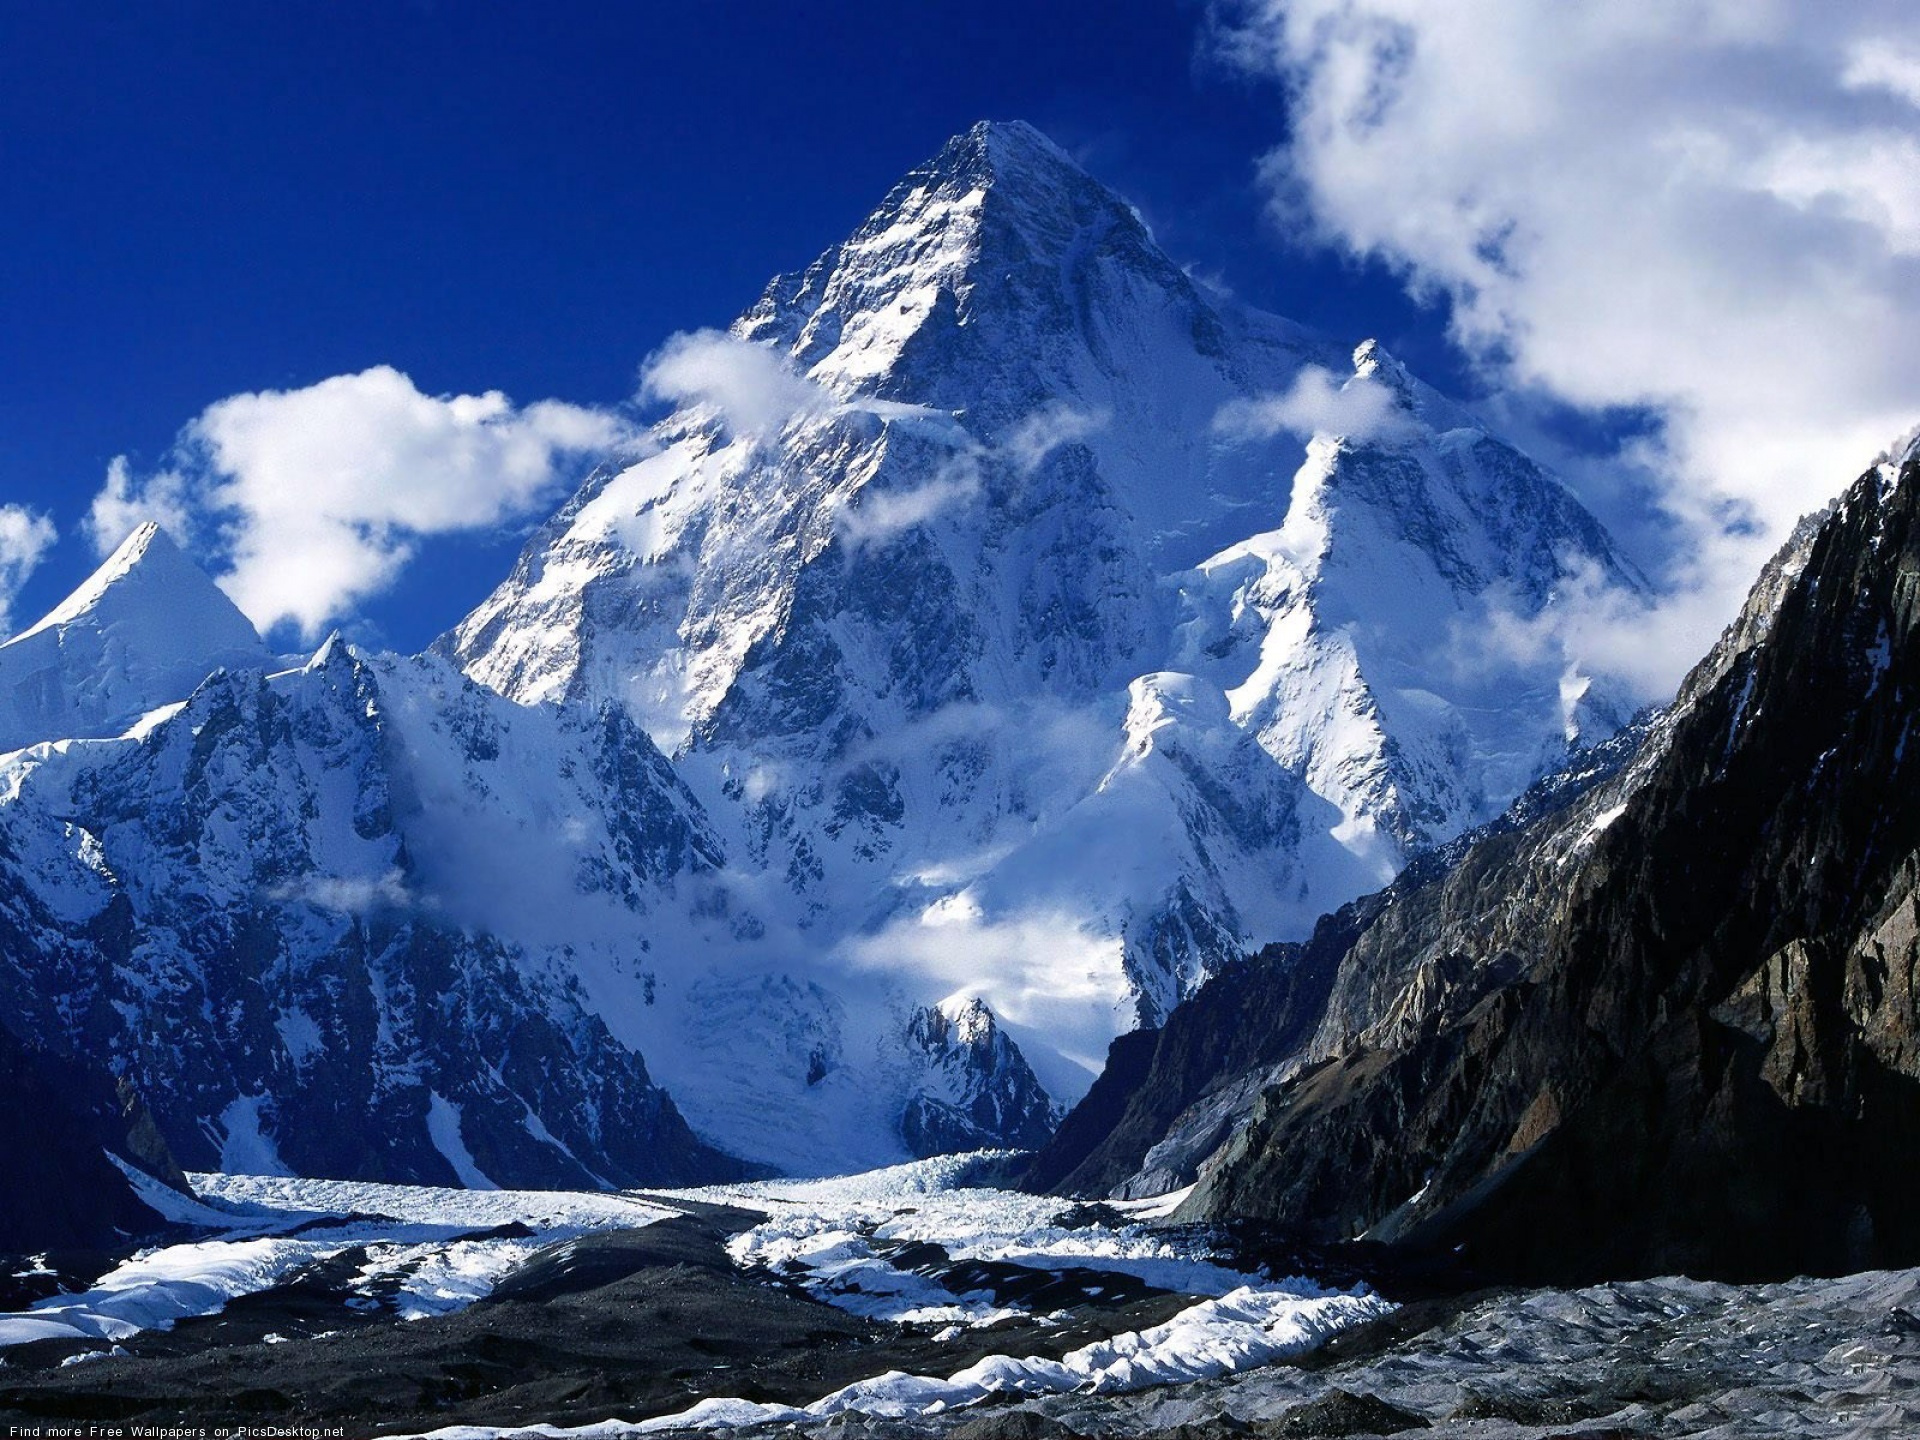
(1170, 1098)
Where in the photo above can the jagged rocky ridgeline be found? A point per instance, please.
(1669, 1026)
(829, 785)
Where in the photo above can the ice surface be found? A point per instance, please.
(1245, 1328)
(835, 1237)
(413, 1236)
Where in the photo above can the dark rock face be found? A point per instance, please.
(1249, 1016)
(59, 1121)
(980, 1092)
(1169, 1099)
(1672, 1027)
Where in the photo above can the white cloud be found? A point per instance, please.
(1593, 627)
(878, 515)
(125, 503)
(753, 388)
(1047, 429)
(1046, 976)
(1877, 65)
(349, 894)
(320, 495)
(25, 539)
(1708, 208)
(1317, 403)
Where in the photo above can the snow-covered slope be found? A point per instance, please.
(275, 910)
(1000, 624)
(364, 918)
(142, 632)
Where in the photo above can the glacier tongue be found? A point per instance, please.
(1026, 656)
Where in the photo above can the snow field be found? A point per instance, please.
(414, 1238)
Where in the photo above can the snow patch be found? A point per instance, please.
(443, 1125)
(247, 1148)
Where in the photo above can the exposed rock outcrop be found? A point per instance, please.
(1663, 1018)
(1674, 1026)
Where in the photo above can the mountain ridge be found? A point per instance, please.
(902, 640)
(978, 660)
(1666, 1027)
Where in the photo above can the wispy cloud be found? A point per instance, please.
(1047, 429)
(877, 515)
(125, 502)
(349, 894)
(1317, 403)
(753, 388)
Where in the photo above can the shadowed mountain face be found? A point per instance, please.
(1671, 1026)
(61, 1121)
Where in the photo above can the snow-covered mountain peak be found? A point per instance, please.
(1371, 362)
(142, 631)
(1078, 630)
(330, 651)
(1003, 254)
(148, 571)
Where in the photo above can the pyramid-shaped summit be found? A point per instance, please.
(1014, 650)
(999, 256)
(141, 632)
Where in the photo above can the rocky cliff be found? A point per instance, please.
(1670, 1025)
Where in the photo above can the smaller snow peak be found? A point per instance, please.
(1166, 699)
(1372, 362)
(147, 560)
(969, 1016)
(333, 650)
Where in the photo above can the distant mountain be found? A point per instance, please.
(270, 908)
(1669, 1026)
(141, 633)
(1021, 654)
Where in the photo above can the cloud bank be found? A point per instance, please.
(318, 497)
(1709, 209)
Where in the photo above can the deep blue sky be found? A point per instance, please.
(198, 199)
